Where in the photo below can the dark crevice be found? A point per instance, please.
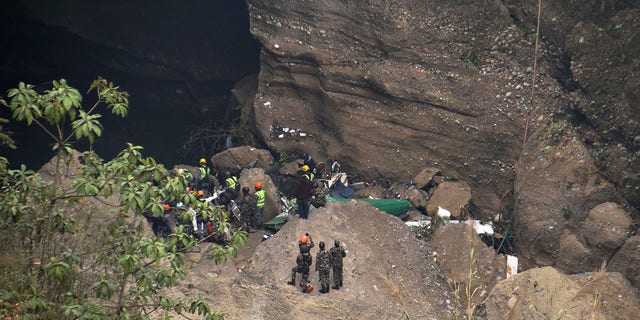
(168, 98)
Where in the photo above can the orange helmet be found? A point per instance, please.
(304, 239)
(166, 207)
(200, 193)
(258, 185)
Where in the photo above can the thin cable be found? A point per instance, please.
(533, 84)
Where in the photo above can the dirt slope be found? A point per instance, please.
(386, 272)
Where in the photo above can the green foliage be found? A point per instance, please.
(566, 212)
(5, 136)
(471, 57)
(285, 158)
(77, 250)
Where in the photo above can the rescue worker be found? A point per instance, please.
(247, 208)
(256, 222)
(303, 192)
(203, 180)
(308, 173)
(158, 223)
(169, 220)
(231, 185)
(337, 253)
(308, 161)
(323, 265)
(303, 263)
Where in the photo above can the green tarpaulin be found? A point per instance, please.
(277, 220)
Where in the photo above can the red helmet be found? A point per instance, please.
(166, 207)
(308, 288)
(258, 185)
(200, 193)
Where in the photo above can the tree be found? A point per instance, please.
(72, 245)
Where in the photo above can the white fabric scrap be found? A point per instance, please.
(512, 265)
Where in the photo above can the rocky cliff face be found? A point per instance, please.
(389, 87)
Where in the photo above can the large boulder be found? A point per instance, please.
(549, 294)
(607, 226)
(451, 195)
(463, 256)
(627, 259)
(235, 159)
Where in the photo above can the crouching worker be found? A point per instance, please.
(303, 263)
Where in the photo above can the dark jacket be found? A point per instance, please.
(303, 190)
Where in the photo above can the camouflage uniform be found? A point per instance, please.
(323, 265)
(247, 208)
(303, 262)
(337, 253)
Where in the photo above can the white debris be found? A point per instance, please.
(512, 265)
(302, 134)
(281, 136)
(443, 213)
(419, 223)
(266, 104)
(477, 226)
(483, 228)
(285, 129)
(276, 46)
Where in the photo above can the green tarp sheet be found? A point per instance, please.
(277, 220)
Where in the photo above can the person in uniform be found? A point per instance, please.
(303, 263)
(323, 265)
(337, 253)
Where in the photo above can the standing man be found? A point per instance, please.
(231, 185)
(337, 253)
(202, 181)
(323, 265)
(303, 192)
(256, 222)
(247, 208)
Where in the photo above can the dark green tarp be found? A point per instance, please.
(277, 220)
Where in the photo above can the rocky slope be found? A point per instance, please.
(387, 272)
(389, 87)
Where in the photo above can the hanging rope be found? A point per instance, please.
(533, 81)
